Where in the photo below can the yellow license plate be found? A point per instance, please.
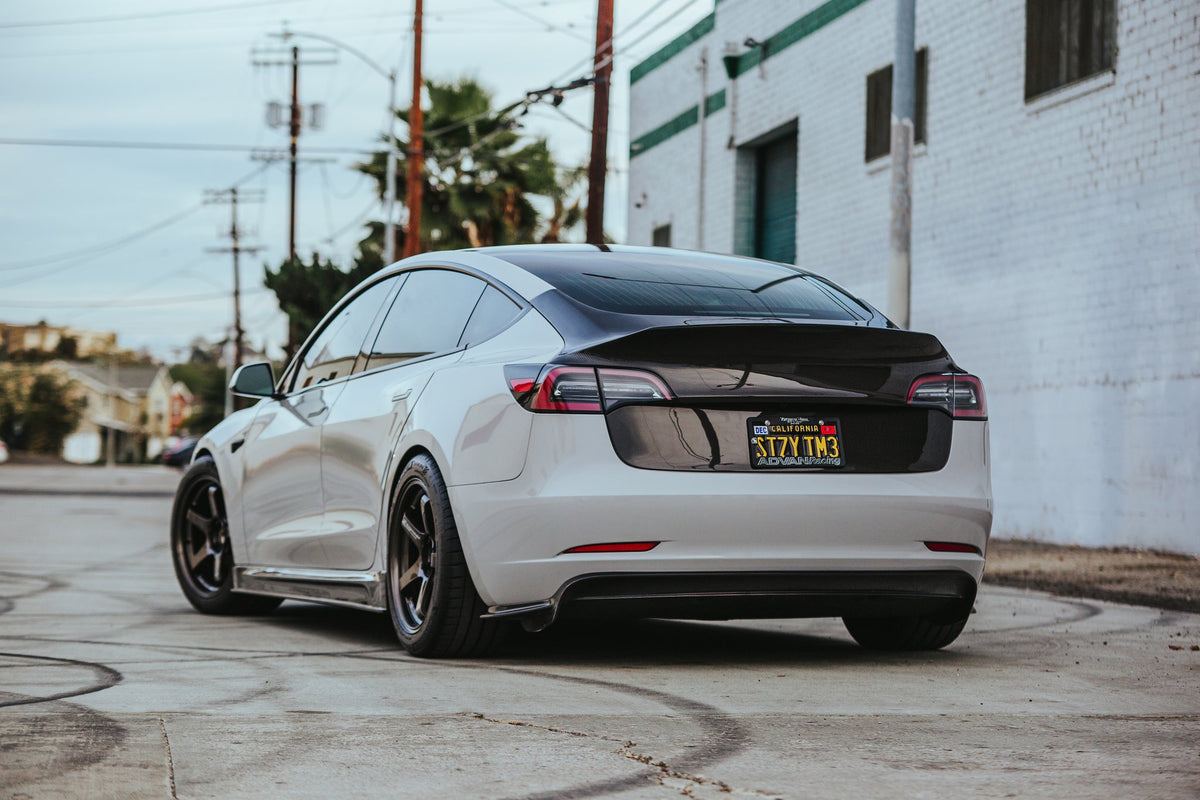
(779, 441)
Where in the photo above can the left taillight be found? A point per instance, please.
(959, 395)
(556, 388)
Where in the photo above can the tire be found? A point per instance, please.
(431, 599)
(903, 633)
(201, 549)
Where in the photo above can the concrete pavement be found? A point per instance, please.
(111, 686)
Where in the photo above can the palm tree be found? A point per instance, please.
(480, 175)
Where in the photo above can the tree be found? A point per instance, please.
(206, 380)
(480, 176)
(306, 291)
(37, 410)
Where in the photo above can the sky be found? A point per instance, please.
(120, 238)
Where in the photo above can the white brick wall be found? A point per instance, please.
(1056, 244)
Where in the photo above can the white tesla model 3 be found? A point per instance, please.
(474, 438)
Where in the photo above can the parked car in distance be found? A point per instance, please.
(180, 453)
(3, 452)
(479, 438)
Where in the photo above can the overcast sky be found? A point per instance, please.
(115, 238)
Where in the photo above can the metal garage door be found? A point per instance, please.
(775, 202)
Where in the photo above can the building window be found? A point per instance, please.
(879, 108)
(662, 236)
(1066, 41)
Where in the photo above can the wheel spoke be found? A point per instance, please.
(212, 502)
(218, 572)
(423, 598)
(411, 574)
(196, 556)
(417, 536)
(198, 522)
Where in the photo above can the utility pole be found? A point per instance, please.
(294, 138)
(232, 196)
(598, 166)
(904, 82)
(290, 57)
(416, 145)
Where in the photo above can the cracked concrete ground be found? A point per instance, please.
(111, 686)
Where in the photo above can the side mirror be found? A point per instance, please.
(253, 380)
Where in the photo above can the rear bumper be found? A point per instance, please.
(719, 528)
(944, 594)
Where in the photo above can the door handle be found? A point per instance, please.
(398, 396)
(318, 412)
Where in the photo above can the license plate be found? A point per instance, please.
(779, 441)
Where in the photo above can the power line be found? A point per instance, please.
(83, 255)
(145, 302)
(220, 148)
(147, 15)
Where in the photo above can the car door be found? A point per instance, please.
(282, 503)
(419, 335)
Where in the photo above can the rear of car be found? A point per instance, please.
(727, 438)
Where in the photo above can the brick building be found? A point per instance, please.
(1056, 223)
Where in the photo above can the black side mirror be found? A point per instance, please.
(253, 380)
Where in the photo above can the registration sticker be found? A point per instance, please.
(781, 441)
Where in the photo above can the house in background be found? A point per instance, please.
(48, 339)
(131, 409)
(1056, 216)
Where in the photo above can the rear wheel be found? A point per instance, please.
(201, 548)
(903, 633)
(432, 600)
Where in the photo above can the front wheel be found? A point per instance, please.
(201, 548)
(432, 601)
(903, 633)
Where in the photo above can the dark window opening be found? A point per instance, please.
(675, 288)
(662, 236)
(879, 108)
(775, 200)
(1067, 41)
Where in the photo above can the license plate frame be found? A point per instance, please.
(795, 441)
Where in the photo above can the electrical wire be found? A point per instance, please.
(144, 303)
(220, 148)
(179, 12)
(549, 25)
(83, 255)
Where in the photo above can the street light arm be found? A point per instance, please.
(354, 51)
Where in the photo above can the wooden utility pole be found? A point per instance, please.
(416, 146)
(236, 247)
(598, 166)
(294, 135)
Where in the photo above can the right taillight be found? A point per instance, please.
(568, 389)
(959, 395)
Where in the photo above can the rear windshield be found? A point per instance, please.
(736, 289)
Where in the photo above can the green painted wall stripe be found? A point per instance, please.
(802, 28)
(672, 48)
(714, 103)
(665, 131)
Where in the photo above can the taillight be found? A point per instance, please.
(566, 389)
(959, 395)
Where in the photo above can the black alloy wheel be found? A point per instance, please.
(416, 562)
(904, 633)
(431, 598)
(201, 548)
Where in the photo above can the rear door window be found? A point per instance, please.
(427, 317)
